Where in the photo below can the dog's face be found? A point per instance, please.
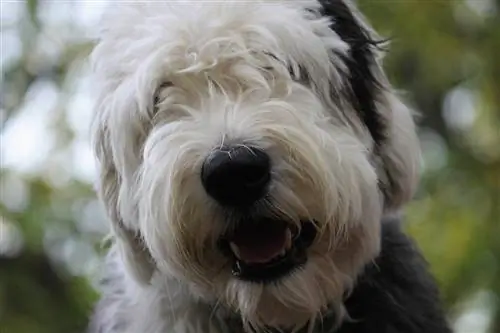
(249, 149)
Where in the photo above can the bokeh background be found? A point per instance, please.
(445, 55)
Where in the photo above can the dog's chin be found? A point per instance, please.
(264, 250)
(283, 276)
(291, 301)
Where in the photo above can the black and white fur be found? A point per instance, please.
(300, 79)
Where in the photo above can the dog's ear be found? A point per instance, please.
(389, 122)
(398, 156)
(134, 253)
(115, 173)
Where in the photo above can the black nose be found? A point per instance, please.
(236, 176)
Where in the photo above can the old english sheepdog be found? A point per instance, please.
(253, 159)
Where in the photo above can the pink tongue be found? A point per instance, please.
(260, 243)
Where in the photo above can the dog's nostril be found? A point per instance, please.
(236, 176)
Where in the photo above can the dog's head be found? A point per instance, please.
(249, 149)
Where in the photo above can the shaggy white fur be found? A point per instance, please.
(177, 79)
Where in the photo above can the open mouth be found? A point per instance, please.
(267, 249)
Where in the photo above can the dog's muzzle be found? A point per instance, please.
(262, 247)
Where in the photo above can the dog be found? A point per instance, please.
(253, 162)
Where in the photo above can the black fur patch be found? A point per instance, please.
(396, 294)
(362, 82)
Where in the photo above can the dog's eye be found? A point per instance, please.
(161, 87)
(299, 74)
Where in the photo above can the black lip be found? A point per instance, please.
(278, 268)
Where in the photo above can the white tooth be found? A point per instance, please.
(288, 240)
(235, 250)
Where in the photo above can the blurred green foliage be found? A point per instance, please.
(444, 55)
